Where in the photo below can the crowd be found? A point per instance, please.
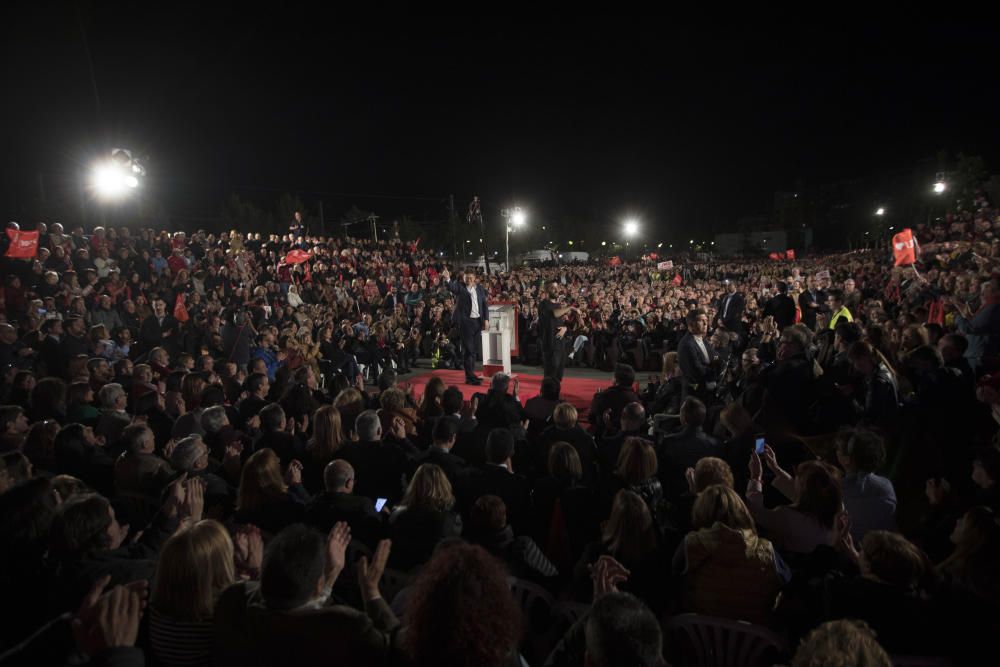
(209, 455)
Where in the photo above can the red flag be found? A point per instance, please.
(790, 254)
(774, 256)
(904, 247)
(296, 256)
(677, 280)
(180, 310)
(22, 244)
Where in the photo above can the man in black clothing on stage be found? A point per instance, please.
(472, 315)
(552, 333)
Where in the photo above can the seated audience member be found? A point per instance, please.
(266, 499)
(468, 586)
(139, 471)
(15, 424)
(636, 472)
(869, 499)
(630, 537)
(727, 569)
(338, 503)
(538, 409)
(497, 477)
(816, 498)
(890, 595)
(488, 527)
(841, 643)
(322, 448)
(382, 466)
(621, 630)
(632, 424)
(424, 517)
(196, 565)
(680, 451)
(565, 428)
(708, 471)
(443, 438)
(972, 566)
(289, 617)
(607, 405)
(87, 542)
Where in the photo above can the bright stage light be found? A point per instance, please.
(940, 187)
(109, 180)
(518, 217)
(880, 211)
(631, 228)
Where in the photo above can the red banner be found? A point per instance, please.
(22, 244)
(677, 280)
(297, 256)
(789, 254)
(775, 256)
(904, 248)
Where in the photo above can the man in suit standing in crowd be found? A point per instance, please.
(697, 358)
(731, 310)
(472, 315)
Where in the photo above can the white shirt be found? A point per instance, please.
(700, 342)
(473, 293)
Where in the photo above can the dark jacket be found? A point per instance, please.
(453, 466)
(697, 371)
(246, 633)
(680, 451)
(381, 469)
(415, 533)
(614, 398)
(496, 480)
(327, 508)
(463, 302)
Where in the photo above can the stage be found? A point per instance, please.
(578, 386)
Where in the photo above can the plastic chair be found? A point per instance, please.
(920, 661)
(535, 602)
(707, 641)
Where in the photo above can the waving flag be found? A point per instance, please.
(904, 248)
(297, 256)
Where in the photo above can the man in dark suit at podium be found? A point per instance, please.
(472, 316)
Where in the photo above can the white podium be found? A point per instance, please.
(498, 339)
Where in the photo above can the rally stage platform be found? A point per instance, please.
(578, 386)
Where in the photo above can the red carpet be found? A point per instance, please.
(578, 391)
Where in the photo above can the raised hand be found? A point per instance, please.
(369, 574)
(107, 621)
(336, 549)
(756, 470)
(293, 475)
(194, 501)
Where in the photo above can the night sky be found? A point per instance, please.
(686, 127)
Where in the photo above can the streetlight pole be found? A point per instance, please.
(512, 216)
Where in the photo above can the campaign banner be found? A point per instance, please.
(663, 266)
(22, 244)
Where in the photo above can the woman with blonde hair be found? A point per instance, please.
(424, 517)
(328, 436)
(195, 566)
(265, 498)
(727, 569)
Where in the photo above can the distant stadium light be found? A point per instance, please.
(518, 217)
(940, 187)
(631, 227)
(604, 243)
(880, 211)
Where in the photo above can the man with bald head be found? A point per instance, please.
(338, 503)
